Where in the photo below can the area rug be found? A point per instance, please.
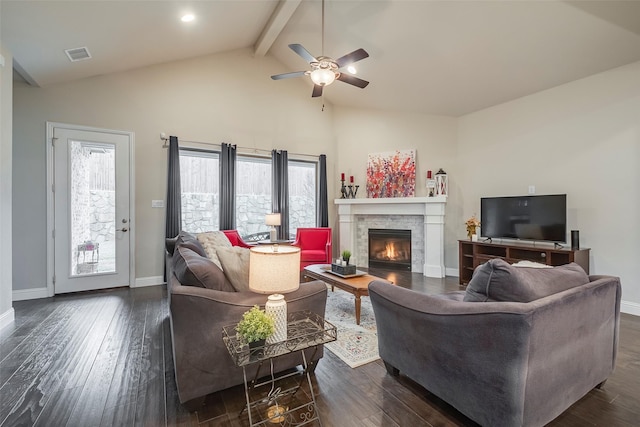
(356, 344)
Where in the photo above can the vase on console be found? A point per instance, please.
(471, 230)
(472, 224)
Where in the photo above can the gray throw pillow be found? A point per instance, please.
(542, 282)
(488, 280)
(188, 240)
(235, 264)
(192, 269)
(497, 280)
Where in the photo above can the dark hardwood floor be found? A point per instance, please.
(104, 359)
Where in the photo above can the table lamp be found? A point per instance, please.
(273, 220)
(275, 269)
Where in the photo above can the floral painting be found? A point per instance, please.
(391, 174)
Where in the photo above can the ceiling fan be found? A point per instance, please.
(325, 70)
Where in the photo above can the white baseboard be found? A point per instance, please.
(630, 307)
(141, 282)
(452, 272)
(35, 293)
(7, 318)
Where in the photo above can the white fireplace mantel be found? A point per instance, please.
(432, 209)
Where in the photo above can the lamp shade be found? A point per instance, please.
(272, 219)
(274, 269)
(323, 76)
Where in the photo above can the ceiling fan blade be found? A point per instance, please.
(304, 53)
(317, 91)
(352, 57)
(352, 80)
(288, 75)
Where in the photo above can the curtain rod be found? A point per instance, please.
(251, 150)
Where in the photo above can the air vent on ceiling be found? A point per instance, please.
(78, 54)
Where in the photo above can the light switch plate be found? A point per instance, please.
(157, 203)
(532, 189)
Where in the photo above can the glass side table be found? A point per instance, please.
(305, 330)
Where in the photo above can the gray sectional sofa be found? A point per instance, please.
(517, 348)
(202, 300)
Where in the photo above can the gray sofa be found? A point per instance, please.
(518, 347)
(201, 305)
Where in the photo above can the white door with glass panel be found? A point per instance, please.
(92, 228)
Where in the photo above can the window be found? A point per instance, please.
(253, 196)
(302, 195)
(200, 186)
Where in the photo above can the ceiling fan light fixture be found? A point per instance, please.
(323, 76)
(325, 70)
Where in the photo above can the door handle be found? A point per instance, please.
(123, 229)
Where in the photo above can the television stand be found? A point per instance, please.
(472, 254)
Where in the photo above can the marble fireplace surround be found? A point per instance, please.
(424, 216)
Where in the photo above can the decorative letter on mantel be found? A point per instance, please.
(432, 210)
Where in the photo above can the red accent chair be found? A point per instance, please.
(235, 239)
(314, 244)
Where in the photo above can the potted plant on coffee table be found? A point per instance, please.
(255, 327)
(346, 256)
(342, 266)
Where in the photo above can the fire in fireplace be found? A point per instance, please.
(390, 249)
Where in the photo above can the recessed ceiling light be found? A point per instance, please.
(188, 17)
(352, 69)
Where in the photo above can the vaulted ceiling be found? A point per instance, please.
(439, 57)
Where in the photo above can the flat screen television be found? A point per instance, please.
(542, 218)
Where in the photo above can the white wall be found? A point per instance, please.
(221, 98)
(6, 108)
(360, 132)
(582, 139)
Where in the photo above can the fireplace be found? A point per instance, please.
(424, 216)
(390, 249)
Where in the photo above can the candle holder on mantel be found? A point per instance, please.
(343, 190)
(348, 191)
(431, 185)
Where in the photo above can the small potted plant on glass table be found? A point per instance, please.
(255, 327)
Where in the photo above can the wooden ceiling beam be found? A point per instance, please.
(276, 24)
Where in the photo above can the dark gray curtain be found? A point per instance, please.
(323, 202)
(280, 190)
(173, 222)
(227, 187)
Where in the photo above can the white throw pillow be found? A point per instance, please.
(235, 263)
(211, 241)
(531, 264)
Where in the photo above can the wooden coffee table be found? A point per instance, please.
(358, 286)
